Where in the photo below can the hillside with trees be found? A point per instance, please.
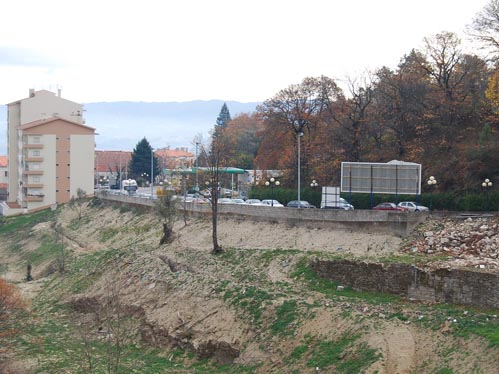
(439, 107)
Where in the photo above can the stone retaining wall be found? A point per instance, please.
(456, 286)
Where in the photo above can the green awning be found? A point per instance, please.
(188, 171)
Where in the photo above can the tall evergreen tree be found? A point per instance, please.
(224, 116)
(141, 160)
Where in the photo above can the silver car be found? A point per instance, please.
(411, 206)
(273, 203)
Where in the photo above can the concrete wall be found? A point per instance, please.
(400, 224)
(454, 286)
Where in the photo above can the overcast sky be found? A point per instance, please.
(182, 50)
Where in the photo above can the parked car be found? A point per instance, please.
(413, 207)
(225, 200)
(273, 203)
(390, 206)
(238, 201)
(200, 200)
(301, 204)
(254, 202)
(342, 204)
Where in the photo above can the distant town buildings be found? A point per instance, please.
(50, 152)
(174, 158)
(110, 165)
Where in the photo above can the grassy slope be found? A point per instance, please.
(292, 323)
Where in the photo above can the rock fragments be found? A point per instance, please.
(473, 242)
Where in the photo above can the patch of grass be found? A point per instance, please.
(399, 315)
(342, 355)
(20, 224)
(108, 233)
(269, 255)
(489, 331)
(49, 249)
(286, 314)
(250, 299)
(444, 371)
(16, 248)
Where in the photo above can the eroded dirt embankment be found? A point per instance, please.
(225, 307)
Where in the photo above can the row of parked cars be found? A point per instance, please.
(404, 206)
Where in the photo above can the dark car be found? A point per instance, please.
(302, 204)
(390, 206)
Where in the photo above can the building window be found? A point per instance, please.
(36, 179)
(36, 153)
(34, 166)
(36, 139)
(6, 174)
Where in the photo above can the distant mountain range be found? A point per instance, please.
(121, 125)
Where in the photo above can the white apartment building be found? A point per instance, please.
(50, 152)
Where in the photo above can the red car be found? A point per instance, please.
(390, 206)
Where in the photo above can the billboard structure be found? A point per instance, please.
(394, 177)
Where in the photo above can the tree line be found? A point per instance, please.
(439, 107)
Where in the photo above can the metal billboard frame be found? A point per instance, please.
(394, 177)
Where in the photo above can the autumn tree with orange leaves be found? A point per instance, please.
(10, 298)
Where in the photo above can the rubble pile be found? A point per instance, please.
(472, 242)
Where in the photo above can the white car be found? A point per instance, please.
(238, 201)
(254, 202)
(411, 206)
(273, 203)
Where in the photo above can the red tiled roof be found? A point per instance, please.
(173, 153)
(109, 161)
(3, 161)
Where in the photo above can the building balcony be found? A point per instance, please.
(33, 159)
(33, 185)
(33, 146)
(33, 172)
(34, 198)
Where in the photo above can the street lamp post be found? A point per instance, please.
(431, 182)
(196, 160)
(299, 134)
(486, 184)
(152, 172)
(144, 176)
(314, 184)
(120, 173)
(272, 182)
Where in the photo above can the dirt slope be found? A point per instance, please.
(248, 306)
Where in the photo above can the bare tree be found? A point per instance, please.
(300, 107)
(76, 203)
(485, 28)
(214, 156)
(166, 209)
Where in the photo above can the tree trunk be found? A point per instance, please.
(214, 216)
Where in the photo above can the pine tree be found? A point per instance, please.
(224, 116)
(141, 160)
